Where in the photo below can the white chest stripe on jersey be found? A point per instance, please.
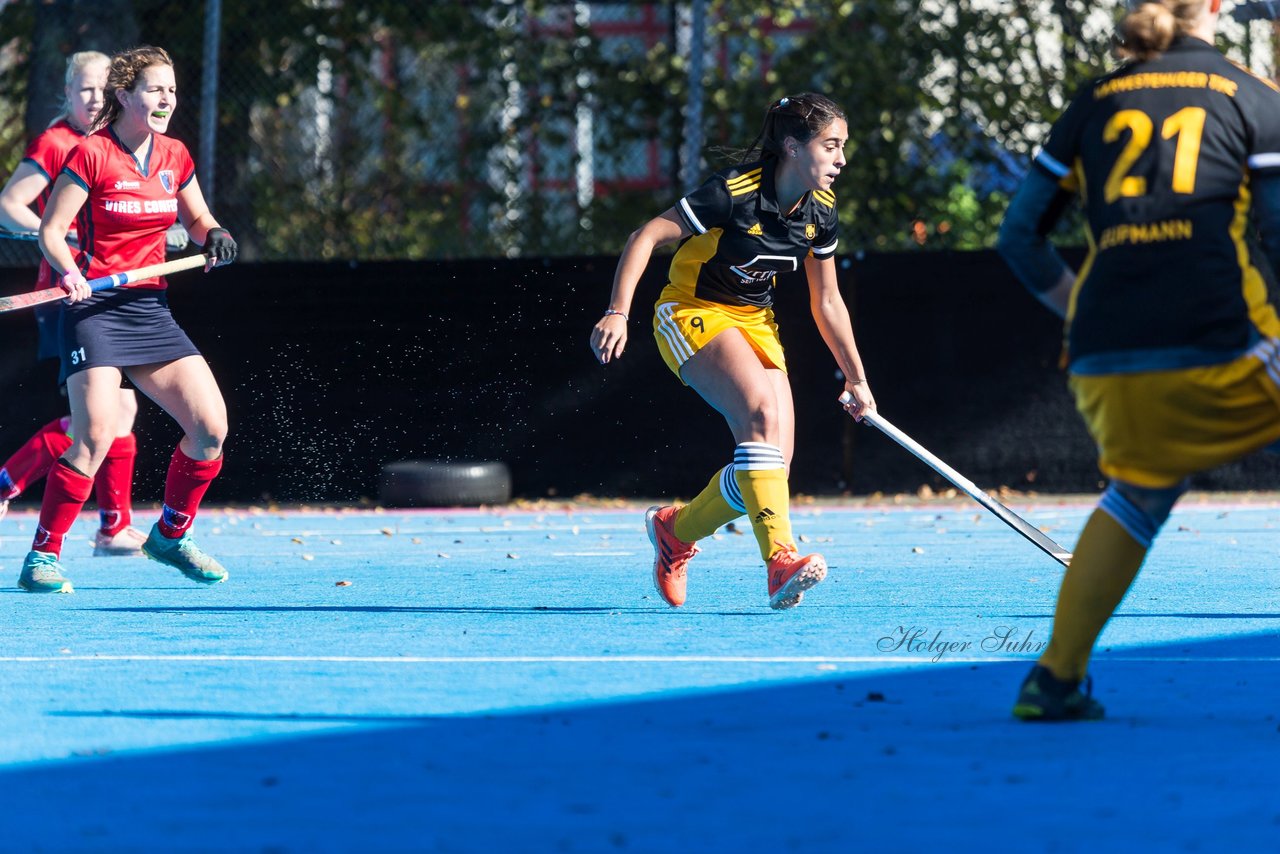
(745, 271)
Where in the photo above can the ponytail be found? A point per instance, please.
(1148, 30)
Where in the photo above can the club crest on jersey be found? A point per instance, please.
(810, 231)
(166, 180)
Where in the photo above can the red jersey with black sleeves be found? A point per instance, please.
(48, 152)
(131, 203)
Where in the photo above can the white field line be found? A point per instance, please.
(596, 659)
(566, 529)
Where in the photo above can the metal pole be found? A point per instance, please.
(691, 156)
(209, 98)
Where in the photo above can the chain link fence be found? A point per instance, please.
(383, 129)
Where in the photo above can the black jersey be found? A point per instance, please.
(1161, 153)
(741, 241)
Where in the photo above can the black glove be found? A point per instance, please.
(219, 245)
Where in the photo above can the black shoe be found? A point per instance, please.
(1044, 697)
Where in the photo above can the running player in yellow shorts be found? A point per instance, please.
(1173, 346)
(774, 212)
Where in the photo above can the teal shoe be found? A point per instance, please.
(183, 555)
(41, 573)
(1044, 697)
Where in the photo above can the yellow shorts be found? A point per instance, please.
(1156, 428)
(682, 328)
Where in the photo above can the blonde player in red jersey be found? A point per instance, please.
(30, 184)
(773, 213)
(124, 187)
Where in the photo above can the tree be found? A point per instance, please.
(384, 129)
(64, 27)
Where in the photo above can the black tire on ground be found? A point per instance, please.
(430, 483)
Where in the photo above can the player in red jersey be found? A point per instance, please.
(124, 187)
(30, 185)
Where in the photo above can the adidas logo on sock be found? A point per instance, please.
(764, 515)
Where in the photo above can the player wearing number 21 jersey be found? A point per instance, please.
(1171, 339)
(1163, 155)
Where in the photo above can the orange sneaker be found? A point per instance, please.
(671, 555)
(790, 574)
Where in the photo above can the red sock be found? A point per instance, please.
(185, 485)
(65, 492)
(113, 485)
(33, 460)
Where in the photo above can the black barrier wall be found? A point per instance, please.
(332, 370)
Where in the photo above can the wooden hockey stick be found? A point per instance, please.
(101, 283)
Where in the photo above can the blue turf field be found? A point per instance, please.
(508, 681)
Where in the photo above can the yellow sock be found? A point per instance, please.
(1106, 561)
(707, 512)
(768, 498)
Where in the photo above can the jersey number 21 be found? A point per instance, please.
(1187, 125)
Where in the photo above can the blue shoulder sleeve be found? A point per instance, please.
(1266, 215)
(1023, 242)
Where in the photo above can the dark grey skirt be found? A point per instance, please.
(120, 328)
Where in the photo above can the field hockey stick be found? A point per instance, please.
(1004, 514)
(34, 236)
(101, 283)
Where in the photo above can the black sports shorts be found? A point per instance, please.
(120, 328)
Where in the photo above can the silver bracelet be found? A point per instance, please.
(622, 314)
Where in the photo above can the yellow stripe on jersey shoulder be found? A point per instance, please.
(826, 197)
(1073, 181)
(745, 178)
(1254, 75)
